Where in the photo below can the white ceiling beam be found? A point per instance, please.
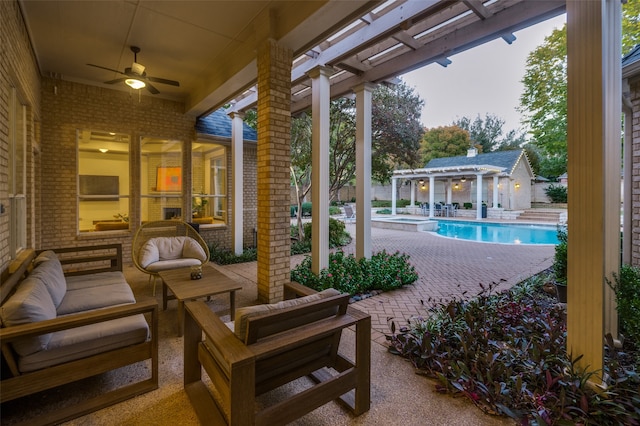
(478, 8)
(407, 40)
(514, 18)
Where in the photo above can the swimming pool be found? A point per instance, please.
(503, 233)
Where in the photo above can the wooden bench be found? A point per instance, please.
(280, 346)
(77, 262)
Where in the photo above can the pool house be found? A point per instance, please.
(498, 181)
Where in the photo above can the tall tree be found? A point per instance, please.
(543, 102)
(630, 25)
(483, 133)
(396, 133)
(444, 141)
(396, 128)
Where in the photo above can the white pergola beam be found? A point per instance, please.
(509, 20)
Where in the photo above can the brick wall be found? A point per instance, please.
(68, 107)
(17, 70)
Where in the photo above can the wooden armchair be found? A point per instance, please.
(280, 346)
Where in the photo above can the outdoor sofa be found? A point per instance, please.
(61, 324)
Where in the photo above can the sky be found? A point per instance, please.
(485, 79)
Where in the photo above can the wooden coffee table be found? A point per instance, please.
(183, 288)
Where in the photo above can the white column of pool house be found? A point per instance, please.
(479, 196)
(432, 195)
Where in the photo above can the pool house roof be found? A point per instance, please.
(501, 163)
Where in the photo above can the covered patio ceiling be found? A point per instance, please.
(210, 47)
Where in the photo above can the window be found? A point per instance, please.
(103, 181)
(209, 183)
(17, 175)
(161, 179)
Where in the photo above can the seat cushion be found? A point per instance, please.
(164, 265)
(30, 303)
(96, 297)
(81, 342)
(93, 280)
(49, 271)
(244, 313)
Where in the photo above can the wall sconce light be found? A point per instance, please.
(456, 186)
(103, 150)
(134, 83)
(517, 185)
(463, 179)
(421, 182)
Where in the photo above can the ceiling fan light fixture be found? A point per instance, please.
(134, 83)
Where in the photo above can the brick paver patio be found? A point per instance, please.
(446, 267)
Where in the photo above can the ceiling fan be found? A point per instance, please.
(136, 77)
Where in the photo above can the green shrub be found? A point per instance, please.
(228, 257)
(380, 203)
(467, 205)
(558, 194)
(384, 211)
(293, 211)
(560, 257)
(382, 272)
(306, 209)
(334, 210)
(627, 289)
(338, 237)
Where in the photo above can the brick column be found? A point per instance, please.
(274, 158)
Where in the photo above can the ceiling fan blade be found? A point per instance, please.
(163, 81)
(105, 68)
(152, 89)
(117, 80)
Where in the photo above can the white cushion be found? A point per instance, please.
(148, 253)
(165, 265)
(30, 303)
(192, 249)
(160, 249)
(86, 299)
(244, 313)
(50, 272)
(81, 342)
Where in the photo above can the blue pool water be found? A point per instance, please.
(503, 233)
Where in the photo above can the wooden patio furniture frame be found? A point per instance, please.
(23, 384)
(281, 346)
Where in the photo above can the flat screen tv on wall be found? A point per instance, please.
(99, 188)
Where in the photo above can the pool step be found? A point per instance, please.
(536, 215)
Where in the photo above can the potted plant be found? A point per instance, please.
(198, 205)
(560, 265)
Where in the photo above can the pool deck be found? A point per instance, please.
(446, 268)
